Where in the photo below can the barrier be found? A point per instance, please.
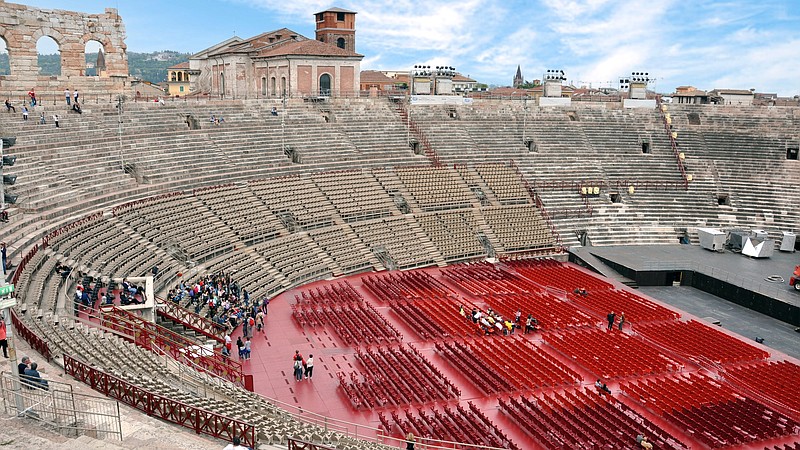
(190, 320)
(156, 405)
(38, 344)
(149, 335)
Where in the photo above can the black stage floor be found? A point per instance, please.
(740, 270)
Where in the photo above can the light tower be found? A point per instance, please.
(636, 84)
(552, 82)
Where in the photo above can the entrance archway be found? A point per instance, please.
(325, 84)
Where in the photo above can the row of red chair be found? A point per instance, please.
(396, 375)
(735, 422)
(581, 419)
(343, 308)
(694, 339)
(482, 278)
(550, 312)
(792, 446)
(637, 309)
(407, 285)
(555, 273)
(506, 365)
(611, 354)
(779, 381)
(466, 425)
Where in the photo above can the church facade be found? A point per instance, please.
(283, 63)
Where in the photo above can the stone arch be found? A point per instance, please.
(263, 86)
(94, 62)
(5, 57)
(42, 68)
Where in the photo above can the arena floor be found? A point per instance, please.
(271, 362)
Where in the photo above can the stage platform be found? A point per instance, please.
(729, 275)
(271, 362)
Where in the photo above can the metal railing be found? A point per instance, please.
(188, 319)
(60, 408)
(33, 339)
(153, 404)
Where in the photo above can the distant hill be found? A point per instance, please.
(147, 66)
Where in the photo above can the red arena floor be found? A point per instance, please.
(392, 351)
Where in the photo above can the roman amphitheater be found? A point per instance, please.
(376, 227)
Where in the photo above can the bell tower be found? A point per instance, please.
(337, 26)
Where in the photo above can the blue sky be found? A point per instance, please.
(708, 44)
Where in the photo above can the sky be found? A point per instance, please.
(731, 44)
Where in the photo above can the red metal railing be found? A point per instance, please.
(23, 262)
(153, 404)
(149, 335)
(190, 320)
(430, 152)
(38, 344)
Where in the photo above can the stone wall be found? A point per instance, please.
(21, 26)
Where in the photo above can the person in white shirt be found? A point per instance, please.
(236, 444)
(310, 366)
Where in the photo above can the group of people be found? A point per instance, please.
(491, 322)
(302, 367)
(614, 318)
(216, 120)
(71, 99)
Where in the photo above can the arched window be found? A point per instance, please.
(94, 59)
(325, 84)
(273, 88)
(264, 86)
(5, 57)
(222, 84)
(283, 86)
(180, 76)
(173, 77)
(340, 42)
(49, 56)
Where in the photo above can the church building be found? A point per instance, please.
(283, 62)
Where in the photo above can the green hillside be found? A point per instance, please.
(147, 66)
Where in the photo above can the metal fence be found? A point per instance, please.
(61, 409)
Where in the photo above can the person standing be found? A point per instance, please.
(55, 119)
(67, 96)
(240, 346)
(621, 320)
(42, 120)
(75, 95)
(32, 95)
(24, 112)
(310, 366)
(611, 316)
(3, 337)
(3, 254)
(260, 321)
(247, 348)
(298, 370)
(410, 441)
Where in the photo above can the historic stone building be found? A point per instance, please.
(21, 27)
(283, 62)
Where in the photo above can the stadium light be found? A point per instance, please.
(554, 75)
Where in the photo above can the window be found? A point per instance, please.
(319, 17)
(273, 88)
(340, 42)
(173, 77)
(325, 84)
(264, 86)
(283, 86)
(221, 84)
(181, 88)
(340, 17)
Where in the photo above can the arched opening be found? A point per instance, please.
(5, 60)
(264, 86)
(283, 85)
(173, 76)
(272, 86)
(49, 60)
(180, 76)
(222, 84)
(325, 84)
(95, 59)
(340, 42)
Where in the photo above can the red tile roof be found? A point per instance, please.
(308, 47)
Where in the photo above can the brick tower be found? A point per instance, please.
(337, 26)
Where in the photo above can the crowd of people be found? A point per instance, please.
(219, 298)
(72, 99)
(493, 323)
